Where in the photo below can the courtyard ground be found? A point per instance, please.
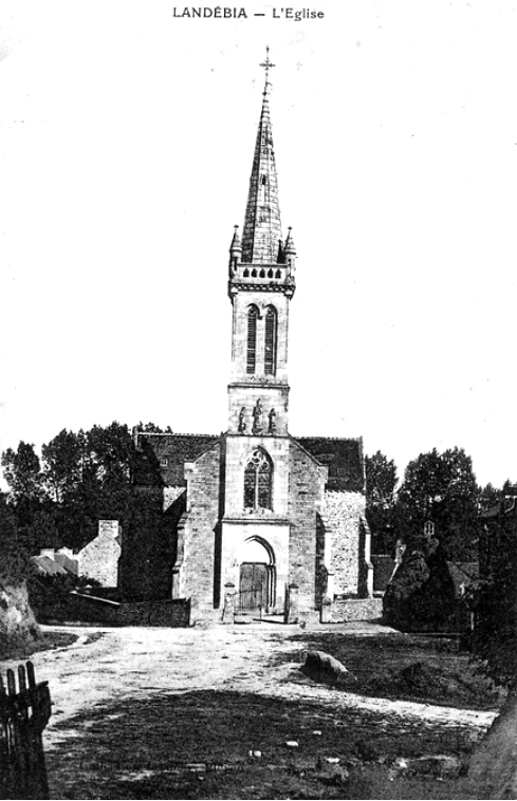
(225, 712)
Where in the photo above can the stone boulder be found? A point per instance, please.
(323, 667)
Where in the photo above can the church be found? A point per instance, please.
(253, 522)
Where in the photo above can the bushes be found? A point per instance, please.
(421, 594)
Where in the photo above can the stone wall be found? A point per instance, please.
(241, 302)
(245, 396)
(348, 609)
(307, 480)
(88, 609)
(342, 513)
(200, 572)
(238, 451)
(99, 559)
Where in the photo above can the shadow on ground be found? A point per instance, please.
(198, 744)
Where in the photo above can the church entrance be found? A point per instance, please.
(257, 577)
(253, 586)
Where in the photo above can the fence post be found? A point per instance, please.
(229, 604)
(291, 604)
(24, 713)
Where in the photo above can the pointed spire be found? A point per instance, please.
(289, 248)
(262, 228)
(236, 241)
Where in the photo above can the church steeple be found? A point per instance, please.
(261, 285)
(262, 230)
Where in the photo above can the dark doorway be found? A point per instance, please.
(254, 586)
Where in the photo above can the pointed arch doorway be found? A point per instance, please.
(257, 576)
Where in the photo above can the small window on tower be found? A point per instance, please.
(251, 351)
(270, 341)
(263, 180)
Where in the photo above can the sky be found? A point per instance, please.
(126, 145)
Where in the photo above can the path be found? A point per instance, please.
(138, 662)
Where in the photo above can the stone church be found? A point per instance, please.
(238, 523)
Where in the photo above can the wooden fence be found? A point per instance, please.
(24, 713)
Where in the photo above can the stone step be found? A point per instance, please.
(243, 617)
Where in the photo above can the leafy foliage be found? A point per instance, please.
(14, 554)
(441, 488)
(22, 472)
(381, 483)
(421, 594)
(494, 602)
(82, 477)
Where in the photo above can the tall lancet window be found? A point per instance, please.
(251, 352)
(258, 481)
(270, 341)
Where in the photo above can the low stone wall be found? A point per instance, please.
(173, 613)
(86, 609)
(347, 609)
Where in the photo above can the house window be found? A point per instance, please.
(270, 341)
(258, 481)
(251, 353)
(164, 461)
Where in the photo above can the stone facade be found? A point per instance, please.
(99, 559)
(246, 520)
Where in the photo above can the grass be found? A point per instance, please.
(225, 744)
(198, 744)
(22, 647)
(408, 667)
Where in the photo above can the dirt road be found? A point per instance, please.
(133, 663)
(120, 676)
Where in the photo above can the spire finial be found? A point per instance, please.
(267, 64)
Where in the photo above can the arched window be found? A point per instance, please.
(258, 481)
(270, 341)
(251, 352)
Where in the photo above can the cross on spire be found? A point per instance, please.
(267, 64)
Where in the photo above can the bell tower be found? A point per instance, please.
(260, 286)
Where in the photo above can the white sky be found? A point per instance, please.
(126, 143)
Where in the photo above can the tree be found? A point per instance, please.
(64, 458)
(87, 475)
(151, 428)
(110, 451)
(494, 642)
(13, 564)
(441, 488)
(34, 519)
(381, 482)
(22, 471)
(82, 477)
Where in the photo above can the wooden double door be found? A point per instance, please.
(256, 587)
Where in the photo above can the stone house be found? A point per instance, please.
(254, 511)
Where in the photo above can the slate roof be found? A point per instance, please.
(343, 457)
(65, 561)
(48, 566)
(161, 457)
